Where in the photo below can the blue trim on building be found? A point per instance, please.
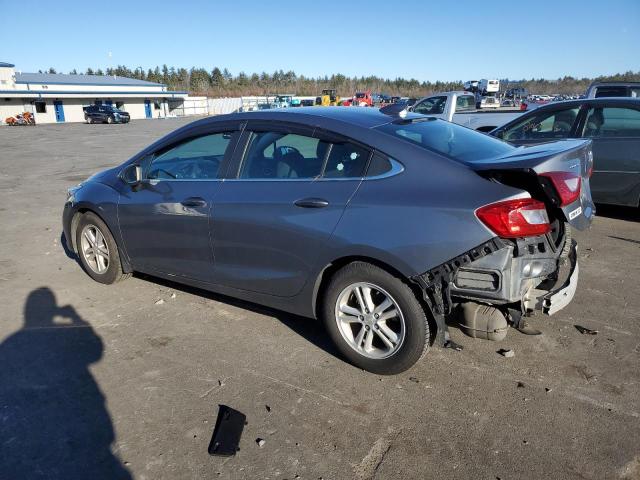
(91, 92)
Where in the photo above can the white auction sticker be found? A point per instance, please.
(575, 213)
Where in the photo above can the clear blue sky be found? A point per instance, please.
(427, 40)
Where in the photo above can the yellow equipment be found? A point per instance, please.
(329, 98)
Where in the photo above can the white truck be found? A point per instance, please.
(460, 107)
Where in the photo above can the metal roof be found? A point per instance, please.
(4, 64)
(65, 79)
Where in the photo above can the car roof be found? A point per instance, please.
(613, 82)
(364, 117)
(588, 101)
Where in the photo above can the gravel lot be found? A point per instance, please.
(107, 382)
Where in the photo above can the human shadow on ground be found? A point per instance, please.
(54, 423)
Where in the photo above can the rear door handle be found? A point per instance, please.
(194, 202)
(311, 203)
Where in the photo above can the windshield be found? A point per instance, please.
(359, 95)
(455, 141)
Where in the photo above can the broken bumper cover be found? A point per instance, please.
(555, 301)
(528, 274)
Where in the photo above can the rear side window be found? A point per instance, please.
(278, 155)
(346, 160)
(452, 140)
(465, 102)
(612, 122)
(195, 159)
(379, 165)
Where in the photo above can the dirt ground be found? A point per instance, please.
(124, 381)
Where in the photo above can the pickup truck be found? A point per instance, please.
(460, 107)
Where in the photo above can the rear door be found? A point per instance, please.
(286, 193)
(615, 132)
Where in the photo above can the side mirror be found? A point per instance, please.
(132, 175)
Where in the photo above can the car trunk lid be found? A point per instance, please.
(556, 173)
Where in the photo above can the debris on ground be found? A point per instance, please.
(414, 380)
(585, 330)
(521, 385)
(225, 440)
(507, 353)
(173, 295)
(268, 408)
(159, 302)
(547, 389)
(261, 442)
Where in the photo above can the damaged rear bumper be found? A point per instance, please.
(526, 275)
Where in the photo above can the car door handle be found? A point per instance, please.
(311, 203)
(194, 202)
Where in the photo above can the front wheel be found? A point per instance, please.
(109, 120)
(97, 250)
(374, 319)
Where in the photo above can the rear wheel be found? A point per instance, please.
(97, 250)
(374, 319)
(109, 120)
(89, 120)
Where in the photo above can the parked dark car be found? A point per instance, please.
(613, 125)
(377, 223)
(105, 114)
(307, 102)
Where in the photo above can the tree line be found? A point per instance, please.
(221, 83)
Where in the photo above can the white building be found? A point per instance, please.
(59, 98)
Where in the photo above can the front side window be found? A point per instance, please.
(279, 155)
(431, 106)
(195, 159)
(612, 122)
(453, 140)
(543, 125)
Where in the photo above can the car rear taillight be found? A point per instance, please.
(567, 185)
(524, 217)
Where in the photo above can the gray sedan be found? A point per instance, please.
(612, 124)
(377, 222)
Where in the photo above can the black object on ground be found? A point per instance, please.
(585, 330)
(453, 345)
(226, 435)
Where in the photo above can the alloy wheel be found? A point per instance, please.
(94, 249)
(370, 320)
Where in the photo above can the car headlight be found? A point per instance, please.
(71, 193)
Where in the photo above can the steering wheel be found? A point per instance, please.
(561, 127)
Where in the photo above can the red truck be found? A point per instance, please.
(360, 99)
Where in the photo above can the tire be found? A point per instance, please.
(102, 270)
(109, 120)
(89, 120)
(410, 327)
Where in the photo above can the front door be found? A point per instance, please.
(545, 125)
(615, 132)
(147, 109)
(271, 221)
(165, 220)
(59, 110)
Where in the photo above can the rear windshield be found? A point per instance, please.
(612, 91)
(455, 141)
